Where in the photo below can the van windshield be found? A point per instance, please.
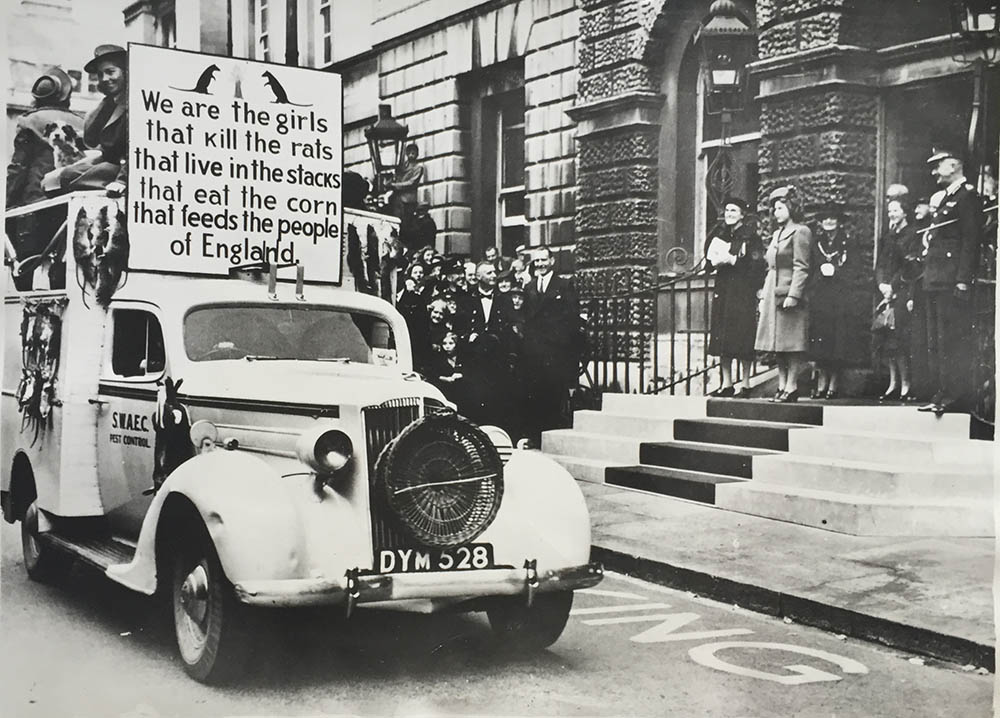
(270, 332)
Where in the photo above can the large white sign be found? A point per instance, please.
(232, 162)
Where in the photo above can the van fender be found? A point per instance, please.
(253, 514)
(543, 515)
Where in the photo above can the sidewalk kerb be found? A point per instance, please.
(805, 611)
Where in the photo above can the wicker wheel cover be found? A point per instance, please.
(442, 480)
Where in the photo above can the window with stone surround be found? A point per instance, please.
(492, 111)
(511, 221)
(262, 29)
(325, 32)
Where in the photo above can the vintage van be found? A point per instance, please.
(233, 443)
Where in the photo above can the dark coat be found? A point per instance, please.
(550, 349)
(829, 299)
(106, 128)
(734, 301)
(900, 265)
(32, 158)
(953, 249)
(900, 261)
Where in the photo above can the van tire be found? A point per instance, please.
(213, 629)
(42, 562)
(524, 629)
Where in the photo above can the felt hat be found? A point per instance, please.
(783, 193)
(115, 53)
(736, 201)
(53, 87)
(830, 209)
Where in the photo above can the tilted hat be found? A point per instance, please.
(782, 193)
(54, 86)
(937, 155)
(106, 52)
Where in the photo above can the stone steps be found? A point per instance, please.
(736, 432)
(870, 479)
(679, 483)
(888, 447)
(587, 445)
(697, 456)
(858, 515)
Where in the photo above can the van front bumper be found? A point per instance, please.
(356, 588)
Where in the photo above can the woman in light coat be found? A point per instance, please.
(784, 313)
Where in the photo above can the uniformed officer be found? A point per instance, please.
(951, 256)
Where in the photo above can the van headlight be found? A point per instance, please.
(325, 451)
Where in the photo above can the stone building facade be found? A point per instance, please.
(580, 123)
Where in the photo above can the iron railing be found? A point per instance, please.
(653, 340)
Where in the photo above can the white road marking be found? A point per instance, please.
(666, 631)
(612, 594)
(612, 609)
(705, 655)
(627, 619)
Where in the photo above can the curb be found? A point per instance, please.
(805, 611)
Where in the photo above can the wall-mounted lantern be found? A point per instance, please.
(385, 145)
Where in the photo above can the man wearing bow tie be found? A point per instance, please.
(488, 368)
(951, 256)
(550, 356)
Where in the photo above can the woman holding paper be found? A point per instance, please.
(784, 315)
(736, 254)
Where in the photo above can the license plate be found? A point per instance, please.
(470, 557)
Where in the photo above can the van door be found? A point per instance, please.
(134, 361)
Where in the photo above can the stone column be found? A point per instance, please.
(819, 128)
(618, 114)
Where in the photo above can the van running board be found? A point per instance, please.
(99, 552)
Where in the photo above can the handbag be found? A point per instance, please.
(885, 317)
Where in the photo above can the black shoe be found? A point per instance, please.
(724, 392)
(946, 404)
(741, 394)
(789, 397)
(816, 393)
(778, 395)
(888, 395)
(907, 396)
(831, 394)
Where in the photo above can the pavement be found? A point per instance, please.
(931, 596)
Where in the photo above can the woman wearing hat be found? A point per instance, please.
(33, 158)
(736, 254)
(106, 128)
(897, 272)
(829, 313)
(784, 317)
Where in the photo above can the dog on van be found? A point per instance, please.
(67, 146)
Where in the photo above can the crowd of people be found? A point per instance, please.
(499, 337)
(921, 327)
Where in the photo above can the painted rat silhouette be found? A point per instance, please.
(201, 87)
(280, 96)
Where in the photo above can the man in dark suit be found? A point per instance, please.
(106, 128)
(550, 350)
(951, 256)
(487, 367)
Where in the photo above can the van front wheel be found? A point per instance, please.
(525, 629)
(42, 562)
(212, 627)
